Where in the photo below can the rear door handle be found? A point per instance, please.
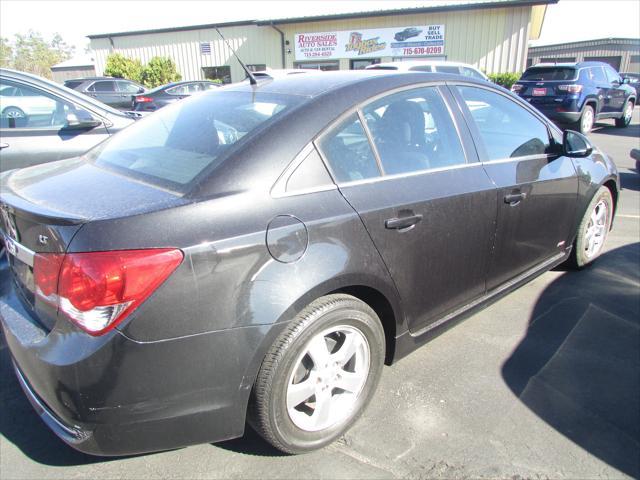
(402, 223)
(3, 145)
(514, 198)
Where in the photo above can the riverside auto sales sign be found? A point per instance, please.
(380, 42)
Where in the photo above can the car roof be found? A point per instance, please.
(406, 64)
(313, 84)
(569, 64)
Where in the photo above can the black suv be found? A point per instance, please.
(115, 92)
(577, 94)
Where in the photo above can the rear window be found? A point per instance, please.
(174, 145)
(72, 83)
(549, 73)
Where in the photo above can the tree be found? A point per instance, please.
(6, 53)
(120, 66)
(158, 71)
(32, 53)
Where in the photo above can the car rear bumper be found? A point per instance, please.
(111, 395)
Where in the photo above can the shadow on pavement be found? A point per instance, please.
(578, 366)
(630, 181)
(632, 130)
(250, 444)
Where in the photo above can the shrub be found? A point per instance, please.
(158, 71)
(120, 66)
(504, 79)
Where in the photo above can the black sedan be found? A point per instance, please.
(257, 253)
(166, 94)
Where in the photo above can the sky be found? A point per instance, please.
(567, 21)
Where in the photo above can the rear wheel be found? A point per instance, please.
(593, 229)
(587, 119)
(319, 375)
(627, 113)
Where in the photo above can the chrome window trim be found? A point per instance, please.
(415, 173)
(518, 159)
(18, 250)
(372, 143)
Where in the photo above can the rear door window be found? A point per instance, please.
(349, 153)
(597, 75)
(103, 86)
(414, 131)
(128, 87)
(549, 73)
(421, 68)
(470, 72)
(507, 130)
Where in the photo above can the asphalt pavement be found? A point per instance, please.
(544, 383)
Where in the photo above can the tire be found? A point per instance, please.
(627, 113)
(13, 112)
(583, 252)
(295, 420)
(586, 121)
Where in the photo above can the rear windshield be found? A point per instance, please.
(175, 144)
(72, 83)
(549, 73)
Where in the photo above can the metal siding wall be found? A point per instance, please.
(588, 49)
(494, 40)
(254, 45)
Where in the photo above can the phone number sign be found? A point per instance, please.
(381, 42)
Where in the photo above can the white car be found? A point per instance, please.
(17, 102)
(431, 66)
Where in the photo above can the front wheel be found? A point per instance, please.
(319, 375)
(625, 120)
(593, 229)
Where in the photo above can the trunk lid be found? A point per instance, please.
(43, 207)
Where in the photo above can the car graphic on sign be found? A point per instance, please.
(407, 33)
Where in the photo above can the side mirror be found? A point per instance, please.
(575, 145)
(141, 90)
(81, 119)
(626, 80)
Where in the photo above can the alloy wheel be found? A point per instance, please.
(327, 378)
(596, 229)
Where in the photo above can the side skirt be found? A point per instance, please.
(410, 341)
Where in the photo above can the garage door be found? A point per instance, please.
(613, 61)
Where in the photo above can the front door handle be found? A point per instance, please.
(3, 145)
(514, 198)
(402, 223)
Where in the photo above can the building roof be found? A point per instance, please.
(431, 8)
(79, 61)
(586, 43)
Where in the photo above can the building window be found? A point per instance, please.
(318, 65)
(256, 67)
(205, 48)
(360, 63)
(218, 73)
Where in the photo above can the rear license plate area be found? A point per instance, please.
(539, 92)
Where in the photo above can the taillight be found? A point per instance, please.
(144, 99)
(515, 88)
(97, 290)
(570, 88)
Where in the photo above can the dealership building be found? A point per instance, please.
(491, 35)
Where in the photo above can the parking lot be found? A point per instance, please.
(543, 384)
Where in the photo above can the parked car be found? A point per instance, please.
(633, 79)
(115, 92)
(577, 94)
(166, 94)
(174, 282)
(407, 33)
(41, 121)
(431, 66)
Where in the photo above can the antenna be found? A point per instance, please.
(252, 79)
